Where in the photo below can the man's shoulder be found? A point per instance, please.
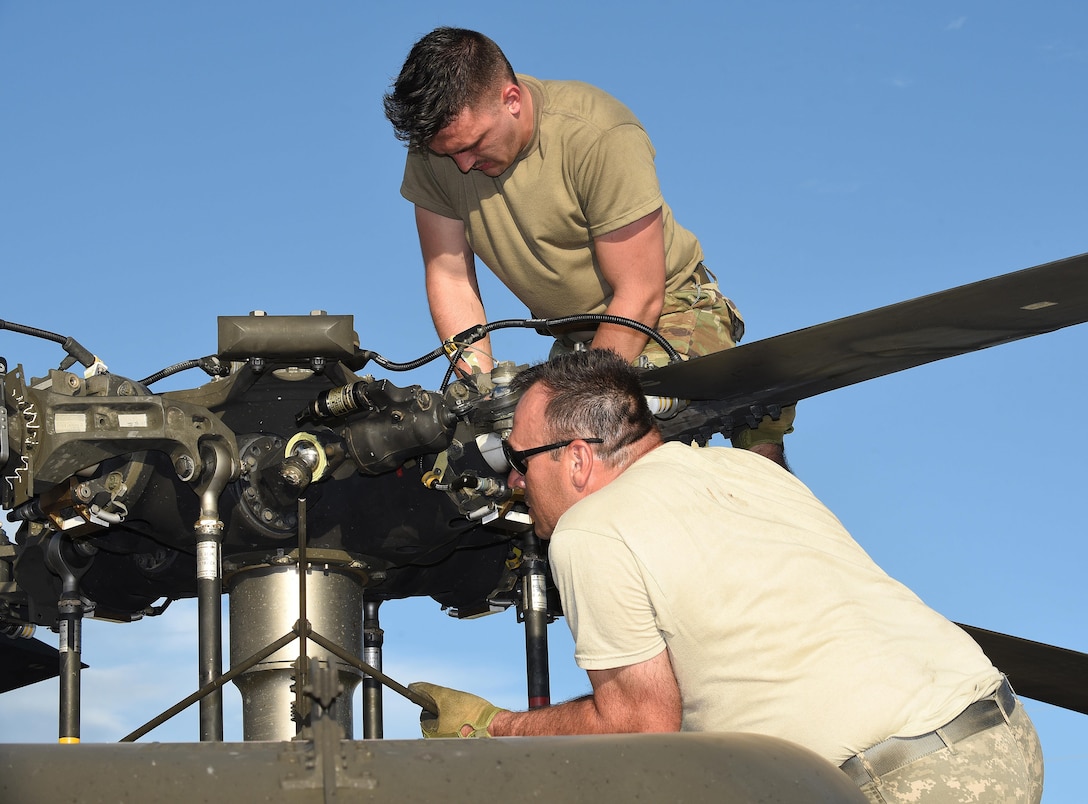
(570, 100)
(675, 464)
(680, 453)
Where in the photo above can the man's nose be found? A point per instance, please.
(464, 161)
(515, 480)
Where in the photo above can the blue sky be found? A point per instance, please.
(165, 163)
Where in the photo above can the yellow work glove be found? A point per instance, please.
(460, 714)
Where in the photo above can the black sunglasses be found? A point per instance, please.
(518, 458)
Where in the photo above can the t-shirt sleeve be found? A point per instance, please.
(605, 600)
(422, 187)
(617, 180)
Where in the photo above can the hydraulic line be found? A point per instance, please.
(75, 350)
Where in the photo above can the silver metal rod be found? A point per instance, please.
(373, 637)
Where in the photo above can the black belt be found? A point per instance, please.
(896, 752)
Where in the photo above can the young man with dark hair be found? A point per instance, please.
(552, 184)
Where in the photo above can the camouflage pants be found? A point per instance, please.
(1000, 764)
(699, 320)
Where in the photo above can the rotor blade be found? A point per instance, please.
(812, 361)
(1046, 673)
(26, 661)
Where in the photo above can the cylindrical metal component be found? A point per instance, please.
(208, 532)
(339, 402)
(70, 623)
(209, 595)
(264, 605)
(534, 604)
(17, 630)
(665, 407)
(373, 637)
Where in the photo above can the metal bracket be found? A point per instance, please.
(324, 762)
(4, 453)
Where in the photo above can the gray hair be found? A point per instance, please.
(592, 394)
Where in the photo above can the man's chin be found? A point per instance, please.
(542, 531)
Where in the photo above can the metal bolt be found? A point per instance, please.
(184, 467)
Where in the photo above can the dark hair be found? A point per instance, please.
(592, 393)
(446, 72)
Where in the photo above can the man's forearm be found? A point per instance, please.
(453, 293)
(579, 716)
(454, 308)
(628, 343)
(632, 261)
(582, 716)
(641, 697)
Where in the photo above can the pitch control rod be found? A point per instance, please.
(208, 532)
(534, 612)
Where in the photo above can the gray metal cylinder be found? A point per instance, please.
(264, 607)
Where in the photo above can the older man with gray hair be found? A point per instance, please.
(709, 590)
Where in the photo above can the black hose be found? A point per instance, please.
(212, 367)
(70, 345)
(541, 325)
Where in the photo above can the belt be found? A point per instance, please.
(896, 752)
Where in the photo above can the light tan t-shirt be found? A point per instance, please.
(588, 170)
(776, 620)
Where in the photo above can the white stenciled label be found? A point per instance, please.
(538, 593)
(70, 423)
(207, 560)
(373, 657)
(132, 420)
(69, 636)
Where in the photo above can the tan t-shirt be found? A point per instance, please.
(588, 170)
(776, 620)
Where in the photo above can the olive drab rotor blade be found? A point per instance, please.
(812, 361)
(26, 661)
(1043, 672)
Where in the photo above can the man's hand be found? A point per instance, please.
(460, 714)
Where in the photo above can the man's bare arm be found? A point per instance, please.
(632, 260)
(453, 292)
(643, 697)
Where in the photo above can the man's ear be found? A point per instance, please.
(511, 98)
(582, 458)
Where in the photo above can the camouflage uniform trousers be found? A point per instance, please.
(698, 320)
(1000, 764)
